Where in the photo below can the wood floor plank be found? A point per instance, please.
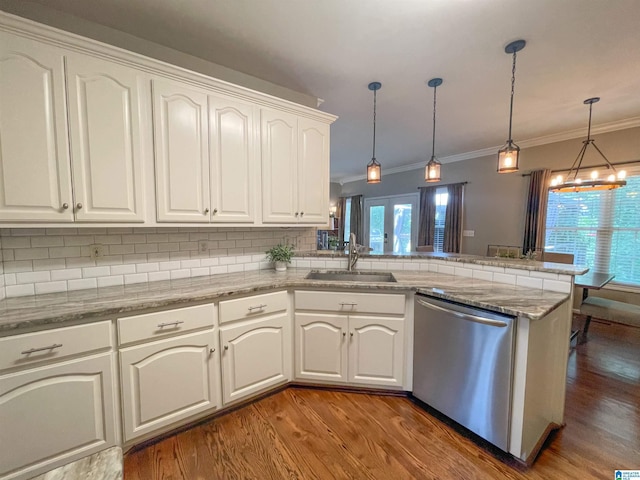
(304, 433)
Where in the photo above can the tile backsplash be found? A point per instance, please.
(37, 261)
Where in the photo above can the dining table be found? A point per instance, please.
(592, 281)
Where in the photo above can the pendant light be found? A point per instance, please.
(432, 170)
(508, 155)
(574, 183)
(374, 172)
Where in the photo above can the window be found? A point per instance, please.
(442, 196)
(347, 219)
(602, 229)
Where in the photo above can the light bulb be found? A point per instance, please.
(594, 175)
(554, 182)
(611, 178)
(559, 179)
(508, 161)
(577, 180)
(622, 175)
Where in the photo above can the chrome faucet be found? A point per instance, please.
(353, 252)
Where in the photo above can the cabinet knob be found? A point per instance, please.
(226, 347)
(206, 210)
(351, 334)
(215, 210)
(212, 350)
(344, 334)
(65, 206)
(302, 214)
(296, 214)
(79, 206)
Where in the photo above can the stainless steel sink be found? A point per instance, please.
(342, 276)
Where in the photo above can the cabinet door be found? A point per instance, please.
(35, 176)
(167, 381)
(106, 117)
(376, 351)
(256, 355)
(182, 152)
(313, 171)
(234, 160)
(279, 167)
(321, 347)
(54, 415)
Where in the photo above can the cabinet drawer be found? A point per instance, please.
(244, 308)
(51, 345)
(347, 302)
(163, 324)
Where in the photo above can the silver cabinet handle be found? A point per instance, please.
(41, 349)
(170, 324)
(348, 304)
(206, 210)
(65, 206)
(258, 307)
(79, 206)
(226, 347)
(212, 350)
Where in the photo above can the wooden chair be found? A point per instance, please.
(424, 248)
(556, 257)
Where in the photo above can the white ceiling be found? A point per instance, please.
(332, 49)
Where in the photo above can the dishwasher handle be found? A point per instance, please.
(465, 316)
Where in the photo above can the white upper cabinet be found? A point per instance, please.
(295, 169)
(279, 167)
(313, 171)
(234, 160)
(35, 177)
(106, 115)
(182, 152)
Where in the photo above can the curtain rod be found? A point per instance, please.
(591, 166)
(445, 184)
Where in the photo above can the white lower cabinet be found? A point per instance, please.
(55, 414)
(166, 381)
(331, 346)
(256, 355)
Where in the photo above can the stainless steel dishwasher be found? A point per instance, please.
(463, 365)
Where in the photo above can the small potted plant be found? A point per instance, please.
(280, 255)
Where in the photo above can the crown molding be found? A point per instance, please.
(485, 152)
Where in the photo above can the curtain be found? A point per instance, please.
(340, 215)
(356, 217)
(427, 212)
(536, 214)
(453, 219)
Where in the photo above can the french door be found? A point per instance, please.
(391, 224)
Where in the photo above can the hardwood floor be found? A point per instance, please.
(304, 433)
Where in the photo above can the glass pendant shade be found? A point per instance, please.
(432, 171)
(508, 157)
(374, 173)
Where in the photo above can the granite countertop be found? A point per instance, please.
(522, 264)
(42, 311)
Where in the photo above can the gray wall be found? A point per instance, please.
(494, 204)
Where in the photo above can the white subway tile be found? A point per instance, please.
(174, 265)
(318, 264)
(80, 262)
(7, 255)
(19, 290)
(33, 277)
(411, 266)
(483, 275)
(332, 264)
(158, 238)
(10, 278)
(188, 246)
(249, 267)
(16, 242)
(147, 267)
(544, 275)
(301, 263)
(446, 269)
(121, 249)
(183, 273)
(78, 240)
(200, 271)
(123, 269)
(146, 248)
(197, 236)
(61, 231)
(224, 244)
(556, 286)
(26, 232)
(158, 276)
(179, 237)
(517, 272)
(504, 278)
(46, 241)
(168, 247)
(95, 272)
(50, 287)
(109, 260)
(218, 270)
(82, 284)
(527, 281)
(31, 253)
(179, 256)
(135, 278)
(93, 231)
(135, 258)
(108, 239)
(463, 272)
(64, 252)
(235, 268)
(491, 268)
(209, 262)
(49, 264)
(67, 274)
(227, 260)
(134, 238)
(21, 266)
(564, 278)
(193, 263)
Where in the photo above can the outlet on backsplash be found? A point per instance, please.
(203, 246)
(97, 251)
